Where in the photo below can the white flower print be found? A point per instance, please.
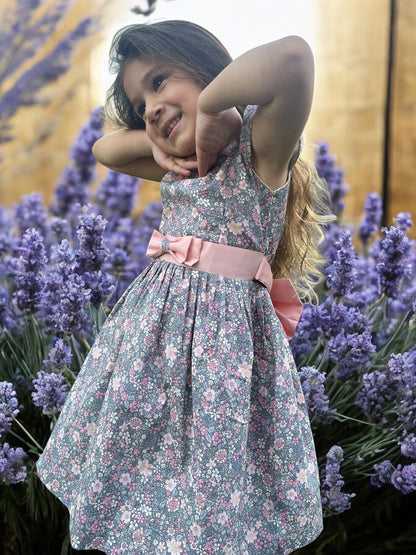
(198, 351)
(251, 535)
(90, 429)
(235, 498)
(245, 369)
(236, 228)
(171, 352)
(125, 516)
(302, 475)
(76, 469)
(97, 486)
(174, 546)
(222, 518)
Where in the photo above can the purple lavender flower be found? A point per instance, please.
(12, 469)
(393, 260)
(29, 271)
(30, 213)
(408, 446)
(404, 478)
(72, 188)
(59, 357)
(334, 500)
(51, 391)
(373, 209)
(92, 252)
(9, 406)
(60, 229)
(48, 69)
(7, 319)
(6, 227)
(342, 272)
(117, 196)
(325, 166)
(101, 286)
(383, 474)
(313, 386)
(403, 220)
(378, 389)
(350, 352)
(307, 333)
(81, 151)
(64, 303)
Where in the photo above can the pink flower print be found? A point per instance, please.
(245, 369)
(125, 478)
(173, 505)
(144, 468)
(251, 469)
(209, 394)
(167, 438)
(196, 530)
(174, 546)
(291, 494)
(171, 484)
(268, 505)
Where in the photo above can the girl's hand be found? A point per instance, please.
(213, 133)
(182, 166)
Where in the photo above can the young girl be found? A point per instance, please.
(186, 430)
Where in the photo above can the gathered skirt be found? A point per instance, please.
(186, 430)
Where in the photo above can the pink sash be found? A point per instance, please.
(233, 262)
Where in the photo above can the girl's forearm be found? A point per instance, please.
(260, 76)
(122, 147)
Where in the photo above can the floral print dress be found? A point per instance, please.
(186, 430)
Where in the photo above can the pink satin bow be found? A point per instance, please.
(186, 250)
(287, 305)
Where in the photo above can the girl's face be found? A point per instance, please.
(166, 99)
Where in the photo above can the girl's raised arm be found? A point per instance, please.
(278, 77)
(128, 151)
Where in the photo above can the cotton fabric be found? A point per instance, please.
(186, 430)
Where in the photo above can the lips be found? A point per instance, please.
(171, 124)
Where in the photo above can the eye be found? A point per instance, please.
(140, 110)
(157, 82)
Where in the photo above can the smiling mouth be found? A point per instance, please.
(172, 124)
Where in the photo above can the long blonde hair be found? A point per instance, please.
(308, 211)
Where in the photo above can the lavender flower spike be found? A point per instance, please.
(334, 500)
(342, 272)
(12, 469)
(404, 478)
(393, 261)
(384, 472)
(51, 391)
(373, 209)
(59, 357)
(312, 382)
(29, 271)
(8, 406)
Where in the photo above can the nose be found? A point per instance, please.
(154, 110)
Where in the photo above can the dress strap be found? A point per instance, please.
(233, 262)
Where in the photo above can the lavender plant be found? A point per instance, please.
(64, 266)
